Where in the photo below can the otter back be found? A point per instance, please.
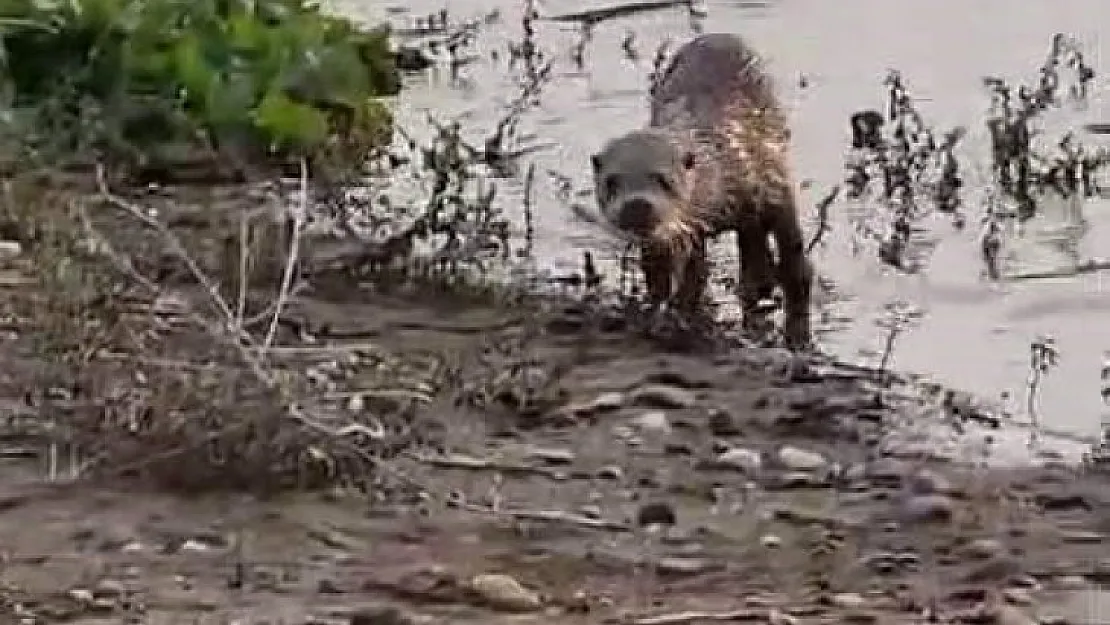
(711, 80)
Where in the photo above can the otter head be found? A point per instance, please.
(644, 182)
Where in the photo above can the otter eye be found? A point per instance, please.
(610, 186)
(662, 182)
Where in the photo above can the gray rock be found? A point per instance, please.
(746, 460)
(657, 513)
(10, 249)
(685, 567)
(721, 423)
(605, 402)
(663, 396)
(926, 482)
(797, 459)
(380, 615)
(928, 508)
(654, 421)
(983, 549)
(504, 593)
(1082, 538)
(551, 456)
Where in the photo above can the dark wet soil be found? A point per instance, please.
(573, 472)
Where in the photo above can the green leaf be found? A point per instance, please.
(290, 123)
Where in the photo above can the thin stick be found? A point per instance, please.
(299, 214)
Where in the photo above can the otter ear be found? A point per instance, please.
(595, 161)
(688, 160)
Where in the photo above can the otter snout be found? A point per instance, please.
(637, 216)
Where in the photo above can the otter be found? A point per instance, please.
(712, 159)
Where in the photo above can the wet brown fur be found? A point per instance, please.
(716, 101)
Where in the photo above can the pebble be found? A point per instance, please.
(379, 615)
(847, 600)
(10, 249)
(502, 592)
(746, 460)
(770, 541)
(663, 396)
(1004, 614)
(605, 402)
(926, 482)
(685, 567)
(610, 472)
(654, 421)
(722, 424)
(1082, 538)
(797, 459)
(886, 472)
(995, 569)
(109, 588)
(1017, 596)
(658, 513)
(983, 549)
(1070, 582)
(552, 456)
(928, 508)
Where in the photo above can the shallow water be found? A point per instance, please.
(975, 335)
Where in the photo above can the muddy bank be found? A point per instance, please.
(577, 471)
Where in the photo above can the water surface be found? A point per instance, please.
(974, 334)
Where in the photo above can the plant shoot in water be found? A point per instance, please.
(1043, 357)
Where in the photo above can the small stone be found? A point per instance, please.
(109, 588)
(379, 615)
(1082, 538)
(610, 472)
(552, 456)
(684, 567)
(887, 472)
(1024, 581)
(328, 586)
(10, 249)
(590, 511)
(1017, 596)
(745, 460)
(722, 424)
(81, 595)
(929, 508)
(657, 513)
(983, 549)
(797, 459)
(1070, 582)
(847, 600)
(502, 592)
(926, 482)
(770, 541)
(605, 402)
(993, 570)
(1004, 614)
(663, 396)
(654, 421)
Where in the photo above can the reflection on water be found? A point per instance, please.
(975, 334)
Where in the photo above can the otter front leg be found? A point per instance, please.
(656, 265)
(676, 278)
(795, 276)
(694, 280)
(757, 274)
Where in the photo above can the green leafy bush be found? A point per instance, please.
(141, 79)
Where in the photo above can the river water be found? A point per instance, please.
(973, 335)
